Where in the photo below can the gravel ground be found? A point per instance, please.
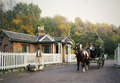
(66, 73)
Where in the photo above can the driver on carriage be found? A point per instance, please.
(91, 49)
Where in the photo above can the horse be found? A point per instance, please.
(82, 56)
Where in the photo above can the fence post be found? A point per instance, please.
(2, 59)
(42, 59)
(25, 55)
(14, 60)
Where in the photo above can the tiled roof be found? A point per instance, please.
(21, 37)
(59, 39)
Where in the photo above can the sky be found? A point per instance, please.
(95, 11)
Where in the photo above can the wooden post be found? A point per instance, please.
(53, 48)
(53, 53)
(61, 52)
(65, 53)
(69, 52)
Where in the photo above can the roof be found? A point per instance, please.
(59, 39)
(64, 39)
(21, 37)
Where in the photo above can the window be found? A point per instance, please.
(0, 41)
(5, 48)
(46, 48)
(25, 48)
(0, 38)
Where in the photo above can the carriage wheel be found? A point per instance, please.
(98, 64)
(103, 63)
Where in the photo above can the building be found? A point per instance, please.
(19, 42)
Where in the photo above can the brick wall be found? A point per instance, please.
(63, 52)
(17, 47)
(55, 47)
(6, 45)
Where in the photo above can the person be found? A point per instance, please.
(91, 46)
(38, 58)
(92, 50)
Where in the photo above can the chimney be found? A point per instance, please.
(40, 31)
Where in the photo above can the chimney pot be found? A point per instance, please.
(40, 31)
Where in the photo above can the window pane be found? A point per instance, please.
(25, 48)
(46, 48)
(28, 49)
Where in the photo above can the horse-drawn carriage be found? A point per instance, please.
(88, 56)
(97, 56)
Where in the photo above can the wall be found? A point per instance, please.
(55, 44)
(63, 52)
(17, 47)
(6, 45)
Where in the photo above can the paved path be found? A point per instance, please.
(68, 74)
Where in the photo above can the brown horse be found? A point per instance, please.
(82, 56)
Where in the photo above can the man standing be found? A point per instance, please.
(38, 58)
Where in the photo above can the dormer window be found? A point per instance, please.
(1, 40)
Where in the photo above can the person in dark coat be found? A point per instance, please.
(92, 50)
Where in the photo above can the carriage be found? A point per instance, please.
(87, 56)
(97, 56)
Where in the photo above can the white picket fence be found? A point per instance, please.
(70, 58)
(16, 60)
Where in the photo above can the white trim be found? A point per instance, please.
(53, 48)
(65, 53)
(50, 38)
(68, 48)
(42, 37)
(59, 48)
(61, 53)
(64, 39)
(36, 39)
(46, 36)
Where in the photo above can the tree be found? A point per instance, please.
(1, 14)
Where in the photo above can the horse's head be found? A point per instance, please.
(78, 48)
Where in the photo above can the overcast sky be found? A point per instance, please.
(101, 11)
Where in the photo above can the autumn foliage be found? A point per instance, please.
(24, 18)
